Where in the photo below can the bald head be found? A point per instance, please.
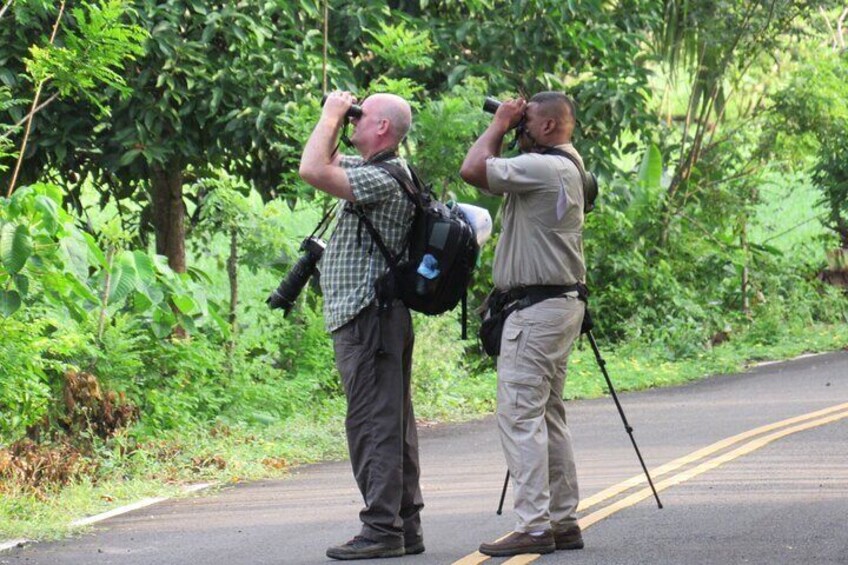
(392, 108)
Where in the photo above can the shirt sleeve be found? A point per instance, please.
(515, 175)
(370, 184)
(350, 161)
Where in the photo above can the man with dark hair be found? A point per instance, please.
(372, 337)
(539, 256)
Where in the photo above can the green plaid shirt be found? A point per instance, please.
(352, 262)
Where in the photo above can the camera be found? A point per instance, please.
(285, 295)
(353, 112)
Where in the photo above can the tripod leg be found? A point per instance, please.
(503, 494)
(602, 365)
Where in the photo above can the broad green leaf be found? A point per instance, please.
(94, 251)
(67, 282)
(15, 246)
(187, 322)
(129, 157)
(185, 303)
(198, 275)
(222, 323)
(153, 292)
(49, 212)
(141, 303)
(22, 284)
(144, 267)
(10, 302)
(650, 172)
(163, 322)
(74, 252)
(124, 281)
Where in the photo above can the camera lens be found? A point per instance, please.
(290, 287)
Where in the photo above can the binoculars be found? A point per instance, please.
(353, 112)
(491, 105)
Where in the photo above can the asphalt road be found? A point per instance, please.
(781, 499)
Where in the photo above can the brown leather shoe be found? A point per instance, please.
(518, 543)
(570, 538)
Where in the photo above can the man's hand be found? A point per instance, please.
(510, 112)
(337, 104)
(473, 169)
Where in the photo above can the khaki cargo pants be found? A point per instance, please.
(534, 433)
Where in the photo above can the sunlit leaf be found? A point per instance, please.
(15, 246)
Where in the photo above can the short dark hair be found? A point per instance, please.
(544, 98)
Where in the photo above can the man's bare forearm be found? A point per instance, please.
(489, 144)
(319, 164)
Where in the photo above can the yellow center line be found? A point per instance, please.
(708, 465)
(810, 422)
(675, 464)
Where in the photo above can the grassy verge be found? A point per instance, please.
(229, 454)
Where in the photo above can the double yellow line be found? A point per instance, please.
(744, 443)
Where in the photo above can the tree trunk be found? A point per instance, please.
(169, 214)
(232, 274)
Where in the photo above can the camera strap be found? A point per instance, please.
(590, 183)
(324, 224)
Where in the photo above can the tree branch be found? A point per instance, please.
(829, 26)
(22, 121)
(32, 112)
(5, 7)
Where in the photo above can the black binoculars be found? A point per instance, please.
(491, 104)
(353, 112)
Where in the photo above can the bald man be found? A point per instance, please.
(538, 260)
(372, 336)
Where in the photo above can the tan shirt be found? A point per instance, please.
(538, 246)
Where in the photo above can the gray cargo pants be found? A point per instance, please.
(381, 433)
(534, 433)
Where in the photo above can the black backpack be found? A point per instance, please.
(441, 249)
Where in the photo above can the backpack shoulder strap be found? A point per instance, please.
(408, 186)
(410, 183)
(375, 235)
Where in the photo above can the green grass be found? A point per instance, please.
(788, 217)
(635, 366)
(163, 466)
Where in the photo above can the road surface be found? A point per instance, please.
(753, 468)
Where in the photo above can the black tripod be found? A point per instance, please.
(586, 328)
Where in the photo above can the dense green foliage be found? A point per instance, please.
(186, 119)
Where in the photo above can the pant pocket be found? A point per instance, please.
(513, 366)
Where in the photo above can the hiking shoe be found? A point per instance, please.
(570, 538)
(414, 547)
(364, 548)
(518, 543)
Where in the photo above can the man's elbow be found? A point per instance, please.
(467, 172)
(307, 173)
(473, 176)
